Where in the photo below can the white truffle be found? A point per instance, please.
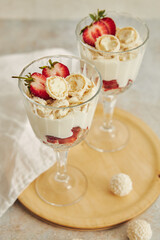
(139, 230)
(121, 184)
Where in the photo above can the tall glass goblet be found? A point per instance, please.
(61, 185)
(118, 71)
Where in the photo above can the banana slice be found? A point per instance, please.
(128, 37)
(77, 85)
(107, 43)
(57, 87)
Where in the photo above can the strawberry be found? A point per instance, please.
(109, 85)
(69, 140)
(55, 69)
(111, 26)
(76, 131)
(91, 33)
(100, 25)
(37, 86)
(51, 139)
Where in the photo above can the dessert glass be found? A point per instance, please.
(61, 185)
(118, 71)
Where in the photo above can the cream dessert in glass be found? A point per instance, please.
(115, 43)
(60, 95)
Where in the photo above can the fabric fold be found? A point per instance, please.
(22, 156)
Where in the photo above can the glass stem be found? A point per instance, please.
(109, 103)
(61, 157)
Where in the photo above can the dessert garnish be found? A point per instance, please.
(39, 87)
(100, 25)
(57, 87)
(36, 84)
(77, 85)
(108, 43)
(128, 36)
(55, 69)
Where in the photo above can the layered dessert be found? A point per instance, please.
(58, 108)
(113, 49)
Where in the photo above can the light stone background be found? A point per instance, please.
(37, 24)
(74, 9)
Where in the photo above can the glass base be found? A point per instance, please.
(107, 140)
(61, 193)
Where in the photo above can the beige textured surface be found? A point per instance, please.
(74, 9)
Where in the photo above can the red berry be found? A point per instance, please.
(51, 139)
(57, 69)
(76, 131)
(69, 140)
(37, 86)
(110, 24)
(129, 82)
(91, 33)
(109, 85)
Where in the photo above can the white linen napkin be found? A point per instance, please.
(22, 156)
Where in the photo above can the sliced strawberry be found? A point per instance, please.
(76, 131)
(37, 85)
(51, 139)
(55, 69)
(109, 85)
(110, 24)
(72, 139)
(92, 32)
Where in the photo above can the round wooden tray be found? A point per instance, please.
(99, 208)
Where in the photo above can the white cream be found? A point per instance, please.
(62, 127)
(120, 68)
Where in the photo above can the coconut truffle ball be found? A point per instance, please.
(139, 230)
(121, 184)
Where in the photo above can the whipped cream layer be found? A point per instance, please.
(119, 67)
(62, 127)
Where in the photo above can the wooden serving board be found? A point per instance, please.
(99, 208)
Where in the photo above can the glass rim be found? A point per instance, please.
(59, 56)
(113, 53)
